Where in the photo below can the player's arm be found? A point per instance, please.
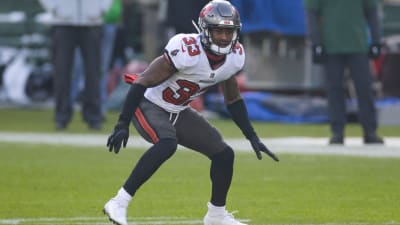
(231, 91)
(238, 111)
(236, 107)
(158, 71)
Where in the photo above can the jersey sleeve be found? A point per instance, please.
(239, 57)
(183, 51)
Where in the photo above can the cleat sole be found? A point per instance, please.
(109, 218)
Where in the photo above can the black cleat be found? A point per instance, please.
(336, 140)
(373, 139)
(61, 125)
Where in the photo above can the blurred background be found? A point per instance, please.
(280, 81)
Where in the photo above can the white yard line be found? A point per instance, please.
(97, 221)
(296, 145)
(144, 221)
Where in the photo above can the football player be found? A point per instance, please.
(157, 104)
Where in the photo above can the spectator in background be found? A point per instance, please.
(389, 65)
(112, 21)
(77, 23)
(339, 36)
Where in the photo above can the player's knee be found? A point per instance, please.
(168, 146)
(227, 156)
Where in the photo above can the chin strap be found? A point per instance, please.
(220, 51)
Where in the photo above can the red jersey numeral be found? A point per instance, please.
(192, 46)
(183, 94)
(238, 49)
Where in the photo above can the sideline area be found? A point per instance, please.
(296, 145)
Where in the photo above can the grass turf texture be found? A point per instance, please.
(63, 181)
(52, 181)
(41, 120)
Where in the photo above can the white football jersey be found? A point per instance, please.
(194, 74)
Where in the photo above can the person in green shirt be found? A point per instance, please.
(345, 34)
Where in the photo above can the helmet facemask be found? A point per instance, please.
(219, 14)
(214, 47)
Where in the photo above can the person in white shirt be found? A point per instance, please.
(77, 24)
(157, 104)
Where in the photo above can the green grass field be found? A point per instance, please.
(55, 184)
(39, 120)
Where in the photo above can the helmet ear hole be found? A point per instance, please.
(223, 14)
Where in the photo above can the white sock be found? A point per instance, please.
(215, 210)
(123, 197)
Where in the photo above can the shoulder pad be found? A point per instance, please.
(238, 55)
(184, 50)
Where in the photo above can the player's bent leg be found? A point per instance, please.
(148, 164)
(152, 159)
(207, 140)
(221, 173)
(221, 176)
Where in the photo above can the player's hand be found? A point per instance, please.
(318, 54)
(118, 137)
(374, 51)
(259, 147)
